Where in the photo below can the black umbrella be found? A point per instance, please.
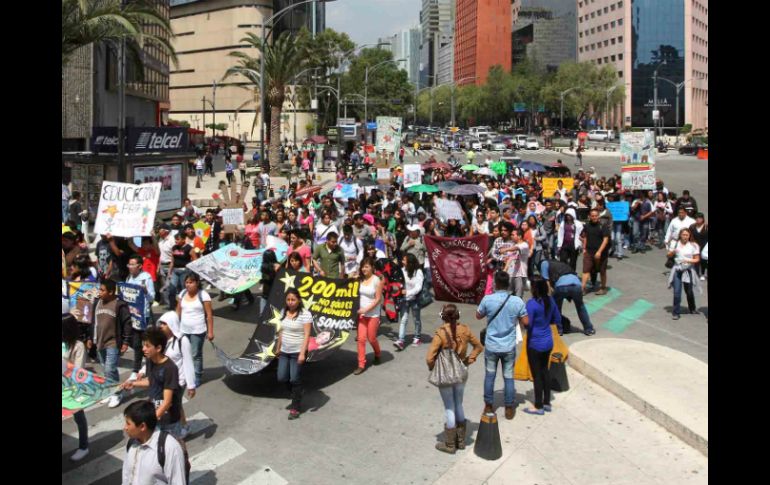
(466, 190)
(365, 182)
(446, 185)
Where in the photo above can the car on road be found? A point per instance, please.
(520, 141)
(601, 135)
(691, 148)
(531, 144)
(498, 146)
(475, 144)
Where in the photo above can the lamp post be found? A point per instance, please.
(655, 92)
(214, 109)
(339, 132)
(366, 84)
(678, 87)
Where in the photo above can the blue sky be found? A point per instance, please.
(365, 21)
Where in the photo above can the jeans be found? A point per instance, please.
(453, 404)
(538, 364)
(575, 293)
(200, 174)
(230, 176)
(491, 359)
(367, 331)
(196, 344)
(617, 238)
(641, 228)
(82, 423)
(289, 371)
(243, 176)
(414, 306)
(660, 230)
(569, 255)
(109, 358)
(517, 286)
(174, 429)
(175, 285)
(677, 283)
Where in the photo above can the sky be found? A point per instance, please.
(365, 21)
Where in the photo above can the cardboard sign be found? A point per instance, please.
(619, 210)
(637, 177)
(448, 209)
(127, 210)
(136, 299)
(388, 133)
(412, 174)
(81, 388)
(232, 216)
(637, 148)
(551, 185)
(345, 191)
(81, 298)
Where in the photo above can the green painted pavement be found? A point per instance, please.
(620, 322)
(595, 304)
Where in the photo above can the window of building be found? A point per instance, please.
(620, 73)
(599, 13)
(593, 30)
(605, 59)
(593, 14)
(606, 9)
(580, 35)
(580, 4)
(612, 7)
(620, 21)
(612, 24)
(606, 43)
(620, 39)
(612, 58)
(580, 20)
(599, 61)
(620, 4)
(599, 28)
(606, 26)
(620, 57)
(613, 40)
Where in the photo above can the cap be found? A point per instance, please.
(413, 227)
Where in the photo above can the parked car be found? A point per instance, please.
(691, 148)
(498, 146)
(601, 135)
(531, 144)
(476, 144)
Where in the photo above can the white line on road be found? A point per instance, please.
(213, 457)
(266, 476)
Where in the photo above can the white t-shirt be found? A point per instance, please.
(199, 164)
(354, 253)
(293, 332)
(368, 295)
(165, 246)
(685, 251)
(193, 320)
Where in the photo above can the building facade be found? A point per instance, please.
(446, 56)
(482, 39)
(437, 24)
(642, 38)
(405, 44)
(544, 30)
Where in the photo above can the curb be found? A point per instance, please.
(649, 410)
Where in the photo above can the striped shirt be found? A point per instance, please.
(293, 332)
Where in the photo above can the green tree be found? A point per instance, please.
(591, 85)
(469, 101)
(217, 127)
(184, 123)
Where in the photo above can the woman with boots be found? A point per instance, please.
(291, 347)
(456, 336)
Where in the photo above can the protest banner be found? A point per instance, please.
(81, 297)
(412, 174)
(383, 175)
(551, 185)
(233, 269)
(345, 191)
(458, 267)
(135, 298)
(388, 133)
(637, 177)
(637, 148)
(232, 216)
(127, 210)
(333, 303)
(499, 167)
(448, 209)
(81, 388)
(619, 210)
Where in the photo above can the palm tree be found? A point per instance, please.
(84, 22)
(283, 61)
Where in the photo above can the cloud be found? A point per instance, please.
(365, 21)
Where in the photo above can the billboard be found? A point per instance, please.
(388, 133)
(170, 177)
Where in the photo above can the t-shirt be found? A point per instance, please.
(368, 293)
(303, 251)
(266, 229)
(165, 246)
(151, 260)
(594, 235)
(182, 255)
(518, 267)
(165, 376)
(293, 331)
(329, 260)
(322, 231)
(106, 315)
(539, 329)
(199, 164)
(193, 319)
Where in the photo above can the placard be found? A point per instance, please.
(448, 209)
(81, 388)
(458, 267)
(232, 216)
(127, 210)
(412, 174)
(637, 148)
(388, 133)
(551, 185)
(345, 191)
(135, 298)
(383, 174)
(619, 210)
(170, 178)
(637, 177)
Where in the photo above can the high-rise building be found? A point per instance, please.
(436, 20)
(482, 39)
(446, 57)
(544, 30)
(639, 37)
(301, 16)
(405, 44)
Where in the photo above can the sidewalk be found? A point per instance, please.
(591, 437)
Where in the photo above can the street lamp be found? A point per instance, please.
(339, 133)
(214, 110)
(366, 83)
(678, 87)
(655, 92)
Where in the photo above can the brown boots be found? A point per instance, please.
(461, 435)
(450, 439)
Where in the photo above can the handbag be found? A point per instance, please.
(425, 299)
(557, 371)
(448, 369)
(670, 262)
(483, 334)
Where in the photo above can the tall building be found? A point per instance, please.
(640, 36)
(437, 23)
(299, 17)
(446, 57)
(405, 44)
(482, 39)
(544, 30)
(206, 32)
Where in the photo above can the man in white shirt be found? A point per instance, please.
(142, 464)
(680, 222)
(200, 165)
(517, 264)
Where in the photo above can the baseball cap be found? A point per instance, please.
(413, 227)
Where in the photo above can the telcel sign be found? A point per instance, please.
(141, 140)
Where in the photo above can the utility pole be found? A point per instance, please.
(122, 112)
(203, 100)
(214, 110)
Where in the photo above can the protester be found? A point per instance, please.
(564, 282)
(182, 254)
(595, 238)
(413, 282)
(142, 279)
(700, 236)
(179, 350)
(569, 240)
(196, 319)
(370, 291)
(686, 256)
(74, 352)
(542, 312)
(682, 221)
(328, 258)
(291, 347)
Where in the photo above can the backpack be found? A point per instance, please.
(162, 453)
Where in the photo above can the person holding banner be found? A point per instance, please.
(140, 278)
(370, 292)
(291, 347)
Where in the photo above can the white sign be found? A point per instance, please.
(170, 177)
(655, 115)
(637, 148)
(638, 179)
(232, 216)
(388, 133)
(449, 209)
(412, 174)
(383, 174)
(127, 210)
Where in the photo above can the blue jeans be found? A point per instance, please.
(82, 423)
(196, 344)
(575, 293)
(414, 306)
(109, 359)
(289, 371)
(617, 237)
(453, 404)
(65, 209)
(491, 359)
(200, 174)
(641, 228)
(175, 285)
(677, 284)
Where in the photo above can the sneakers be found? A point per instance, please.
(105, 400)
(590, 332)
(399, 344)
(675, 317)
(416, 341)
(114, 401)
(602, 291)
(547, 408)
(132, 377)
(358, 371)
(536, 412)
(79, 454)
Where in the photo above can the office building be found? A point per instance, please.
(544, 31)
(405, 44)
(446, 56)
(437, 19)
(482, 39)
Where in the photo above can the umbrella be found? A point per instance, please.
(532, 166)
(308, 190)
(365, 182)
(460, 180)
(422, 188)
(466, 190)
(486, 171)
(446, 185)
(470, 167)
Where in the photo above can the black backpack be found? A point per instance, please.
(162, 453)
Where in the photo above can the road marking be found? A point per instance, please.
(596, 304)
(620, 322)
(266, 476)
(211, 458)
(665, 330)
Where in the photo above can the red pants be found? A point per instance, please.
(367, 330)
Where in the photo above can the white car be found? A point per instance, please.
(601, 135)
(531, 144)
(498, 147)
(521, 141)
(476, 145)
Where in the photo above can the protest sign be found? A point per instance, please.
(619, 210)
(388, 133)
(127, 210)
(551, 185)
(458, 267)
(202, 233)
(333, 303)
(412, 174)
(383, 175)
(448, 209)
(135, 297)
(637, 148)
(81, 388)
(81, 297)
(499, 167)
(637, 177)
(345, 191)
(232, 216)
(233, 269)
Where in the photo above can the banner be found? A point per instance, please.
(448, 209)
(499, 167)
(334, 304)
(232, 216)
(637, 177)
(81, 296)
(458, 267)
(345, 191)
(170, 178)
(135, 297)
(233, 269)
(551, 185)
(619, 210)
(388, 133)
(127, 210)
(412, 174)
(637, 148)
(81, 388)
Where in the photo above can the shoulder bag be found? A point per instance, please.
(448, 369)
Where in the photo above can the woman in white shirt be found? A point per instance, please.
(686, 255)
(370, 293)
(291, 346)
(413, 283)
(196, 319)
(480, 225)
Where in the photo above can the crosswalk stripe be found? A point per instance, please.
(620, 322)
(213, 457)
(595, 304)
(265, 476)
